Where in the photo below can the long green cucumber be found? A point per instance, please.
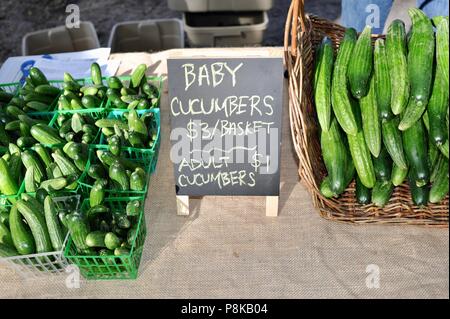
(416, 150)
(381, 193)
(397, 61)
(325, 188)
(442, 56)
(392, 139)
(360, 66)
(437, 110)
(441, 160)
(412, 114)
(439, 189)
(360, 153)
(363, 194)
(382, 80)
(419, 195)
(20, 233)
(383, 166)
(322, 83)
(420, 57)
(334, 153)
(53, 225)
(398, 175)
(434, 155)
(370, 119)
(340, 99)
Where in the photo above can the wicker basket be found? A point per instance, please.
(302, 35)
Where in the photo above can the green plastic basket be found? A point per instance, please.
(111, 267)
(155, 80)
(95, 114)
(86, 182)
(54, 107)
(12, 87)
(147, 155)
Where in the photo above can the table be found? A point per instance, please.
(227, 248)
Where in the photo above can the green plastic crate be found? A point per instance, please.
(155, 80)
(86, 182)
(111, 267)
(146, 155)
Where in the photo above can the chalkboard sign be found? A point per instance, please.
(226, 125)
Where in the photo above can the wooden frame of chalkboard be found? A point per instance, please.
(226, 127)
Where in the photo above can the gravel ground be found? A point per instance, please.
(19, 17)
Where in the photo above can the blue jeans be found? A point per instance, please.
(357, 13)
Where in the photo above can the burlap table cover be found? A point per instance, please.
(227, 248)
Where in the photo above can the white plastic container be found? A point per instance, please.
(220, 5)
(225, 29)
(61, 39)
(43, 264)
(146, 35)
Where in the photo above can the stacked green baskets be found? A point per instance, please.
(94, 266)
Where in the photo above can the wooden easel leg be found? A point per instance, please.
(183, 205)
(272, 206)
